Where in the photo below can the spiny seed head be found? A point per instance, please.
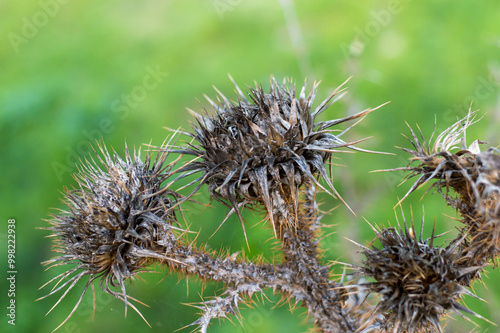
(474, 177)
(416, 281)
(262, 150)
(447, 159)
(116, 215)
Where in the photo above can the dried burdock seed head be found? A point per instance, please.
(261, 150)
(416, 281)
(119, 214)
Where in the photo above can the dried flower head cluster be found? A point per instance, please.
(417, 282)
(268, 150)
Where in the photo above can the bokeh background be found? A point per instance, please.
(73, 72)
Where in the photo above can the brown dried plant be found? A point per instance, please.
(267, 150)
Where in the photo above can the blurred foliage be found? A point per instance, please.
(66, 67)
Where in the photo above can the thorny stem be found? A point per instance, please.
(300, 276)
(318, 293)
(246, 277)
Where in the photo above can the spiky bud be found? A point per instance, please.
(117, 214)
(417, 282)
(262, 150)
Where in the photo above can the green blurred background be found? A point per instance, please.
(73, 72)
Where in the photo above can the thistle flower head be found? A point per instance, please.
(447, 159)
(417, 282)
(119, 214)
(474, 178)
(261, 150)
